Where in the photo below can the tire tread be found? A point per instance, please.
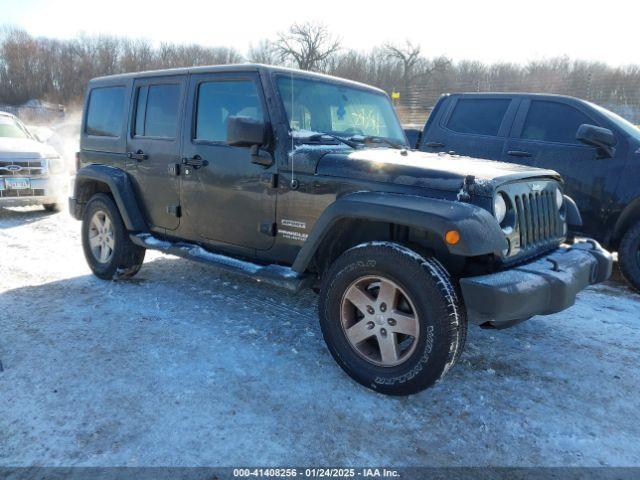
(440, 290)
(627, 256)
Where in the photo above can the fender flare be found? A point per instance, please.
(480, 234)
(122, 190)
(574, 219)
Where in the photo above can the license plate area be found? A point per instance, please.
(17, 183)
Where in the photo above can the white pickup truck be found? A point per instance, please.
(31, 172)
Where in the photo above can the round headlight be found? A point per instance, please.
(559, 198)
(499, 207)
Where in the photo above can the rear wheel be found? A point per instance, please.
(51, 207)
(107, 247)
(629, 256)
(391, 318)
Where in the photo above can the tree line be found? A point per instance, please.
(58, 70)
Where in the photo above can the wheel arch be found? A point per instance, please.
(367, 216)
(94, 179)
(629, 216)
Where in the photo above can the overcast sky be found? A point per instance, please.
(488, 30)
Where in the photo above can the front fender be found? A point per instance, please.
(119, 183)
(480, 234)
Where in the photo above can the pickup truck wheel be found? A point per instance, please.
(110, 253)
(629, 256)
(391, 318)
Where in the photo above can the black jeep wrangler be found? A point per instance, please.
(304, 180)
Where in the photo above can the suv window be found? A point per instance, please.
(480, 116)
(219, 99)
(157, 111)
(553, 122)
(105, 112)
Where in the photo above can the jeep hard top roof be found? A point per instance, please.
(237, 67)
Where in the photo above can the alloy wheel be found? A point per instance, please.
(379, 320)
(101, 238)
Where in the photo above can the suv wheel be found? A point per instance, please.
(107, 247)
(629, 256)
(391, 318)
(51, 207)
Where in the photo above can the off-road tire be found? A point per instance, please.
(629, 256)
(127, 257)
(440, 311)
(51, 207)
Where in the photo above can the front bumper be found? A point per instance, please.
(28, 201)
(48, 189)
(545, 286)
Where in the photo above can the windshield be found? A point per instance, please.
(625, 125)
(10, 128)
(314, 106)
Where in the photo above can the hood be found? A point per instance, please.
(24, 148)
(422, 169)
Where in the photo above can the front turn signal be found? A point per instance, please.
(452, 237)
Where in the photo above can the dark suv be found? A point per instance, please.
(596, 152)
(304, 180)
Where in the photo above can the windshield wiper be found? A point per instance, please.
(368, 139)
(316, 137)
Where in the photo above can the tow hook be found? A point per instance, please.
(554, 262)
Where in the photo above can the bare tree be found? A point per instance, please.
(307, 45)
(409, 57)
(414, 66)
(264, 52)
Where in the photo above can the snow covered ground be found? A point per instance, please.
(185, 365)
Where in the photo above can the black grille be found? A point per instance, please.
(538, 219)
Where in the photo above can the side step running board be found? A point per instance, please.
(276, 275)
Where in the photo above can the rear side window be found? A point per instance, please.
(105, 112)
(157, 111)
(218, 100)
(478, 115)
(553, 122)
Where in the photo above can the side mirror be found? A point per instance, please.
(245, 131)
(601, 138)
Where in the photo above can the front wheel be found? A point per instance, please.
(629, 256)
(110, 253)
(391, 319)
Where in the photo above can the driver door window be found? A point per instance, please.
(219, 100)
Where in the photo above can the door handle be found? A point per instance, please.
(139, 155)
(434, 144)
(196, 161)
(518, 153)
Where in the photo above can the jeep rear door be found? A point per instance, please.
(226, 200)
(473, 125)
(153, 146)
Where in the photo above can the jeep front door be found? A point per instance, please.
(228, 199)
(153, 145)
